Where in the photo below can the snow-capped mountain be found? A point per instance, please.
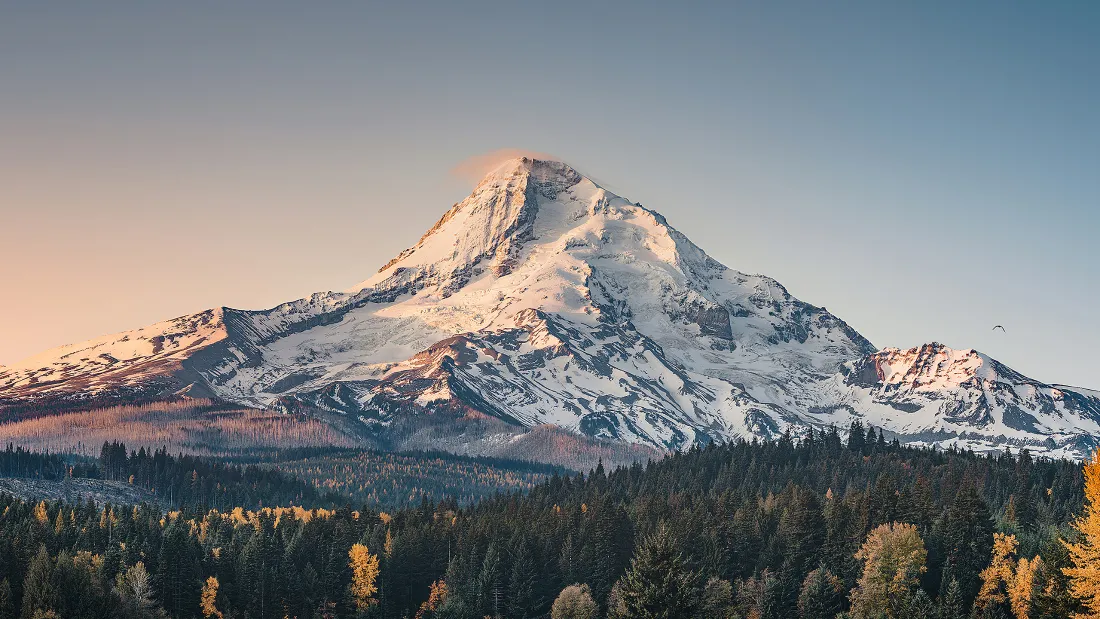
(543, 298)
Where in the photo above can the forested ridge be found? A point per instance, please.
(810, 528)
(176, 480)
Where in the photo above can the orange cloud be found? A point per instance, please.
(473, 169)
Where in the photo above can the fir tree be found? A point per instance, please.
(952, 605)
(521, 584)
(7, 600)
(38, 592)
(659, 583)
(821, 595)
(968, 540)
(717, 602)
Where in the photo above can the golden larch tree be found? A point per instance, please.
(209, 599)
(998, 576)
(1008, 580)
(1025, 585)
(364, 573)
(1084, 552)
(894, 558)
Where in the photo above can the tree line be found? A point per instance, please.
(811, 528)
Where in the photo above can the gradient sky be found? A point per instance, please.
(925, 172)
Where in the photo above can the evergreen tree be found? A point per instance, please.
(521, 584)
(762, 596)
(857, 440)
(7, 600)
(918, 606)
(177, 571)
(717, 600)
(821, 596)
(38, 591)
(490, 583)
(952, 605)
(659, 583)
(968, 540)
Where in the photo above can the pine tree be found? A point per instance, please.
(521, 585)
(717, 600)
(7, 601)
(38, 591)
(802, 534)
(762, 597)
(659, 583)
(490, 582)
(821, 596)
(951, 604)
(968, 540)
(857, 440)
(918, 606)
(177, 571)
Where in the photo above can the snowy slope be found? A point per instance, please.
(543, 298)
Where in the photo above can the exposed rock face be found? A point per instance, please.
(714, 321)
(543, 298)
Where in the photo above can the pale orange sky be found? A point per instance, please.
(924, 174)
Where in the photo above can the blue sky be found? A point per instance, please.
(925, 172)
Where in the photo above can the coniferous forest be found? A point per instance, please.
(820, 527)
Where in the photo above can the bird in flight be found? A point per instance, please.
(999, 327)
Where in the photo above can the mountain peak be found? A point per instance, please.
(548, 176)
(488, 228)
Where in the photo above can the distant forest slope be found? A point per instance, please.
(393, 481)
(182, 425)
(316, 477)
(158, 477)
(209, 427)
(739, 530)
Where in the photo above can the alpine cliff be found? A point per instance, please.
(543, 298)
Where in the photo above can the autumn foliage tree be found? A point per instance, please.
(209, 598)
(364, 573)
(893, 560)
(1084, 552)
(1008, 581)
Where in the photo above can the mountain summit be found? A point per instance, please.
(543, 298)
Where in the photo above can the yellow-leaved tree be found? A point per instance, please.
(209, 599)
(893, 557)
(1084, 553)
(1007, 580)
(364, 573)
